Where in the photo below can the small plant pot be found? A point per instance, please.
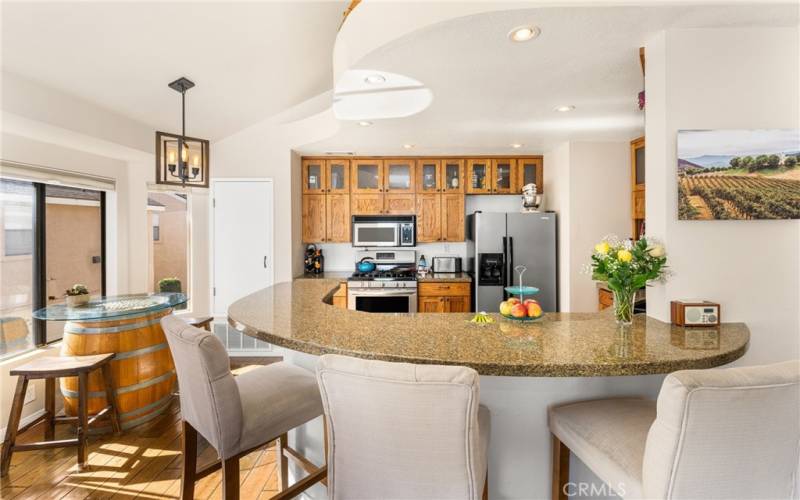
(77, 300)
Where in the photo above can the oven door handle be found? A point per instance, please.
(381, 293)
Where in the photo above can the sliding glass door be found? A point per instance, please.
(52, 238)
(73, 246)
(17, 286)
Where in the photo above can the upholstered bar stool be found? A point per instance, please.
(725, 433)
(237, 415)
(403, 431)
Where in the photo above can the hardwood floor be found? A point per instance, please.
(141, 463)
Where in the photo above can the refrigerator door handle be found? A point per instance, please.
(510, 260)
(504, 269)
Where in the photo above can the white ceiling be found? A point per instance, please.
(250, 60)
(489, 92)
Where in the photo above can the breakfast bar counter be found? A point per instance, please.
(525, 368)
(297, 315)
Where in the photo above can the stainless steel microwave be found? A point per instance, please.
(384, 230)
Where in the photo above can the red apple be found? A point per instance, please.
(534, 310)
(518, 311)
(530, 301)
(513, 300)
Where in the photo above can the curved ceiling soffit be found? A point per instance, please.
(374, 95)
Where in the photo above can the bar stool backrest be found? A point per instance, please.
(726, 433)
(208, 392)
(398, 430)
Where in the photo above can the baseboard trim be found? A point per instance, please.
(25, 420)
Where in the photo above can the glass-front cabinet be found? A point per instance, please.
(337, 176)
(529, 171)
(398, 176)
(429, 179)
(366, 176)
(479, 177)
(313, 176)
(453, 176)
(503, 173)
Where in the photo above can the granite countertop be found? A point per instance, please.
(297, 315)
(327, 275)
(445, 278)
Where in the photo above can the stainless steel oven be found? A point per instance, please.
(382, 297)
(384, 230)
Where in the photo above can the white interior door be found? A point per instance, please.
(242, 249)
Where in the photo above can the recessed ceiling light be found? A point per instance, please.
(375, 79)
(408, 146)
(365, 123)
(524, 33)
(516, 145)
(564, 109)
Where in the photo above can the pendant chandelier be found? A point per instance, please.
(181, 160)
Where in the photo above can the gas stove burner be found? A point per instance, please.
(393, 275)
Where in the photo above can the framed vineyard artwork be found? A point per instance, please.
(738, 174)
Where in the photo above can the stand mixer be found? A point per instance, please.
(531, 201)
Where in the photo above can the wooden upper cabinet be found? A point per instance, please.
(337, 218)
(366, 176)
(453, 217)
(398, 176)
(504, 176)
(452, 174)
(429, 178)
(337, 176)
(313, 218)
(366, 204)
(529, 170)
(429, 220)
(479, 177)
(399, 203)
(313, 176)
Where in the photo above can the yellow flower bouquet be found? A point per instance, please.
(627, 267)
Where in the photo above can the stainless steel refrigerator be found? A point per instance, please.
(498, 242)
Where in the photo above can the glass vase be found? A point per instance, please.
(623, 306)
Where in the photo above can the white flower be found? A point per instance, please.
(656, 251)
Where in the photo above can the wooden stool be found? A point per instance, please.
(50, 368)
(203, 322)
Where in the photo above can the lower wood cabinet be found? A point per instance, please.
(443, 297)
(604, 299)
(340, 297)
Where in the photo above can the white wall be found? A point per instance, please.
(718, 79)
(266, 150)
(588, 184)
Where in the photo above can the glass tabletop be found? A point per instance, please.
(117, 306)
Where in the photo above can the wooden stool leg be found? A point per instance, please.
(189, 469)
(50, 409)
(83, 417)
(283, 461)
(111, 398)
(13, 424)
(230, 479)
(560, 469)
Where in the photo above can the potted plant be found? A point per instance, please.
(169, 285)
(78, 295)
(627, 267)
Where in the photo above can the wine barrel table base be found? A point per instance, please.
(142, 368)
